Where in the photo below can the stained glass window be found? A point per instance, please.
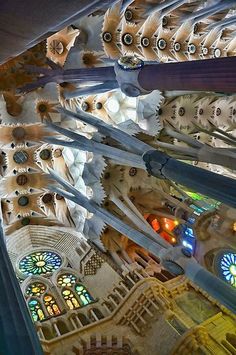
(51, 305)
(207, 203)
(66, 280)
(70, 299)
(35, 289)
(83, 294)
(36, 310)
(20, 157)
(228, 267)
(45, 154)
(40, 263)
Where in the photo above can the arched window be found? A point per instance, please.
(72, 290)
(36, 310)
(70, 299)
(51, 305)
(83, 294)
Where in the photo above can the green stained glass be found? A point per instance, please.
(207, 203)
(36, 310)
(195, 196)
(40, 263)
(83, 294)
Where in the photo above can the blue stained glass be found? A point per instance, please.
(189, 232)
(191, 220)
(36, 310)
(40, 263)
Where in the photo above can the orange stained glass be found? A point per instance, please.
(155, 225)
(169, 224)
(51, 305)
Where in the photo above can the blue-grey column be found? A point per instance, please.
(17, 332)
(83, 76)
(218, 74)
(218, 187)
(207, 11)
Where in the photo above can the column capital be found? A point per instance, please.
(127, 70)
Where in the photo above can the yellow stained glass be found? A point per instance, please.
(51, 305)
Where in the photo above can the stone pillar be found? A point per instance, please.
(217, 74)
(218, 187)
(18, 334)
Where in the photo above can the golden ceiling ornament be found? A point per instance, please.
(59, 44)
(109, 34)
(91, 59)
(45, 109)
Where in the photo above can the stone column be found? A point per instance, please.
(18, 334)
(217, 74)
(218, 187)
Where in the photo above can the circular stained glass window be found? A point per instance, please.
(66, 280)
(225, 264)
(107, 37)
(23, 201)
(98, 105)
(57, 153)
(162, 44)
(145, 42)
(21, 180)
(47, 198)
(20, 157)
(128, 15)
(40, 263)
(127, 39)
(45, 154)
(192, 48)
(85, 106)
